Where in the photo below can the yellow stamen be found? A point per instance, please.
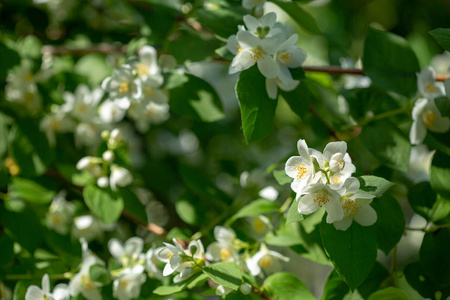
(301, 171)
(142, 69)
(431, 88)
(266, 261)
(350, 207)
(169, 255)
(321, 199)
(257, 54)
(429, 118)
(286, 58)
(258, 225)
(148, 91)
(239, 49)
(225, 254)
(335, 180)
(124, 87)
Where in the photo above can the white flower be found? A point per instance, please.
(427, 85)
(353, 81)
(151, 263)
(83, 103)
(335, 159)
(223, 249)
(151, 92)
(112, 111)
(87, 227)
(56, 122)
(128, 286)
(60, 214)
(81, 282)
(129, 254)
(301, 168)
(21, 87)
(36, 293)
(287, 56)
(251, 50)
(249, 4)
(419, 164)
(172, 256)
(88, 134)
(260, 28)
(119, 177)
(355, 205)
(122, 86)
(269, 193)
(259, 226)
(91, 164)
(425, 116)
(146, 112)
(265, 260)
(61, 292)
(318, 195)
(147, 65)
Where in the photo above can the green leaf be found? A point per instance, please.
(174, 79)
(104, 203)
(353, 252)
(390, 293)
(443, 104)
(4, 131)
(442, 36)
(256, 208)
(375, 281)
(433, 259)
(440, 174)
(227, 274)
(94, 67)
(257, 109)
(335, 288)
(285, 286)
(293, 214)
(281, 177)
(30, 148)
(299, 15)
(387, 143)
(190, 209)
(374, 185)
(10, 58)
(426, 203)
(21, 288)
(390, 62)
(24, 227)
(30, 191)
(287, 235)
(224, 53)
(390, 223)
(7, 246)
(132, 205)
(165, 290)
(222, 21)
(299, 99)
(419, 281)
(200, 183)
(197, 100)
(100, 274)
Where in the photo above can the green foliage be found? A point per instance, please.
(285, 286)
(436, 266)
(104, 203)
(392, 147)
(30, 191)
(293, 214)
(222, 21)
(301, 17)
(374, 185)
(442, 36)
(353, 252)
(10, 58)
(99, 273)
(257, 109)
(389, 293)
(390, 62)
(227, 274)
(390, 223)
(196, 99)
(256, 208)
(281, 177)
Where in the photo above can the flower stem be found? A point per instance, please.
(393, 264)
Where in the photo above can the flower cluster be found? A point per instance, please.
(324, 179)
(135, 89)
(266, 43)
(425, 114)
(103, 168)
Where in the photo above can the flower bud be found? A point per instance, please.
(193, 249)
(84, 163)
(116, 135)
(119, 177)
(245, 288)
(103, 182)
(108, 156)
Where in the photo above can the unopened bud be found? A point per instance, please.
(105, 135)
(245, 288)
(193, 249)
(108, 156)
(103, 182)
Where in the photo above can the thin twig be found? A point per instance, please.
(100, 48)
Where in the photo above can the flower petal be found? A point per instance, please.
(418, 132)
(334, 147)
(306, 205)
(251, 23)
(247, 40)
(343, 224)
(267, 66)
(366, 215)
(272, 88)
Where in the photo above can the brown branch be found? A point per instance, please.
(100, 48)
(335, 70)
